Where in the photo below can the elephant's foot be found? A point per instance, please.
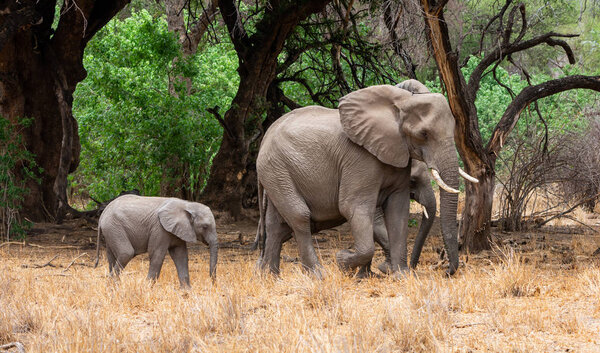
(264, 267)
(401, 273)
(348, 260)
(385, 267)
(365, 272)
(316, 271)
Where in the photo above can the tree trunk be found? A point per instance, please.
(39, 69)
(29, 91)
(475, 228)
(257, 54)
(224, 190)
(476, 218)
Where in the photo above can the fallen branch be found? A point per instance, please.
(72, 262)
(569, 210)
(12, 243)
(39, 246)
(18, 345)
(49, 263)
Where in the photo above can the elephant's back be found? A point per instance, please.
(307, 121)
(301, 156)
(130, 210)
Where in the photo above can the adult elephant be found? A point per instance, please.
(420, 191)
(321, 166)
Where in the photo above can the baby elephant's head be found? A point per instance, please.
(191, 221)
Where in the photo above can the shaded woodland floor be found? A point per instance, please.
(536, 291)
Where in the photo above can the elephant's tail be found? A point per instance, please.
(259, 241)
(98, 246)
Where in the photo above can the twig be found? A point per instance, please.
(72, 262)
(569, 210)
(18, 345)
(38, 246)
(469, 325)
(49, 263)
(12, 243)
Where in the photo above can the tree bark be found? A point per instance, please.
(257, 55)
(39, 69)
(476, 217)
(480, 161)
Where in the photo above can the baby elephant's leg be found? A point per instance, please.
(157, 256)
(179, 254)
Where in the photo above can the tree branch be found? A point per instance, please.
(531, 94)
(237, 32)
(500, 53)
(391, 23)
(215, 111)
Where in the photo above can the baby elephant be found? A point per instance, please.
(133, 225)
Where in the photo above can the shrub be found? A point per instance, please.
(17, 166)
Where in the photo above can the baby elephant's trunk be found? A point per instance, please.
(213, 248)
(98, 247)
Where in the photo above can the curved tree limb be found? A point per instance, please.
(531, 94)
(500, 53)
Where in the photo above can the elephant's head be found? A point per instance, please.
(395, 125)
(191, 221)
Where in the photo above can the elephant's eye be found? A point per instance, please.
(424, 135)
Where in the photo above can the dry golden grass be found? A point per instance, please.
(506, 301)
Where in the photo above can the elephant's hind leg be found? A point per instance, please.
(112, 261)
(278, 232)
(119, 253)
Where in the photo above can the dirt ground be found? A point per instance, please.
(507, 299)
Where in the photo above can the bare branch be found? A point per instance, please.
(215, 111)
(500, 53)
(391, 22)
(237, 32)
(531, 94)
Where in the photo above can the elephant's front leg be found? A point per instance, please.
(396, 212)
(179, 254)
(361, 224)
(157, 256)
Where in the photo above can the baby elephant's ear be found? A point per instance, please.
(371, 117)
(175, 219)
(413, 86)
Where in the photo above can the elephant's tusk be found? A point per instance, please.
(425, 213)
(441, 183)
(467, 176)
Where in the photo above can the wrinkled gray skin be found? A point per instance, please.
(420, 191)
(132, 225)
(320, 167)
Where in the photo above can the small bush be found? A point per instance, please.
(17, 166)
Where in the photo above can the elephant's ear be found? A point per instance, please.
(371, 117)
(413, 86)
(175, 219)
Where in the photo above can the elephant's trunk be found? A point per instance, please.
(426, 198)
(213, 247)
(448, 166)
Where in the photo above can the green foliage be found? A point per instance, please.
(137, 133)
(412, 222)
(17, 167)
